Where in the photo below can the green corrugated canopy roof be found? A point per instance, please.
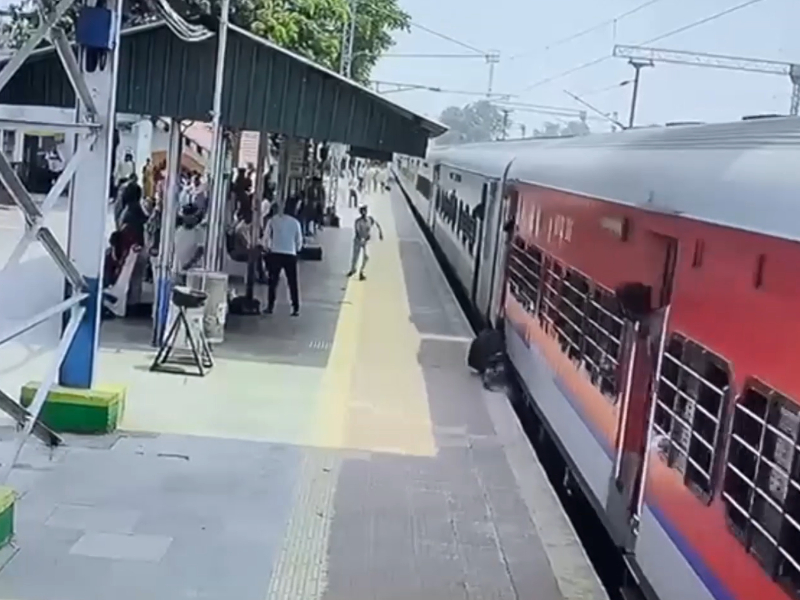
(266, 88)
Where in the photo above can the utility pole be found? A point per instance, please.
(492, 58)
(337, 151)
(348, 36)
(522, 130)
(637, 65)
(216, 164)
(506, 113)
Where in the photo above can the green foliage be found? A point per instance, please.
(480, 121)
(568, 129)
(312, 28)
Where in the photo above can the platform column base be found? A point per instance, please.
(70, 410)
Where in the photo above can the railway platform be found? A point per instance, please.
(345, 455)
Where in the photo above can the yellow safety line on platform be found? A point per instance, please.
(372, 397)
(335, 387)
(389, 409)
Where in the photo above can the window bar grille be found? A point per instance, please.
(680, 437)
(755, 489)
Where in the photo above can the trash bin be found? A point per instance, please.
(214, 284)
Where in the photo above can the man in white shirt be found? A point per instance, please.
(352, 192)
(283, 240)
(190, 238)
(362, 232)
(126, 169)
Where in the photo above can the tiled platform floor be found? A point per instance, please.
(344, 455)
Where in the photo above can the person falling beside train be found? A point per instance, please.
(362, 232)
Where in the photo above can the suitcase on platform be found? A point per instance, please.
(311, 253)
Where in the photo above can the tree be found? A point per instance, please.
(570, 128)
(480, 121)
(312, 28)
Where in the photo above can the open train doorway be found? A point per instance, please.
(646, 305)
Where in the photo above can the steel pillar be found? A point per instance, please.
(283, 174)
(165, 270)
(215, 179)
(637, 65)
(255, 226)
(794, 75)
(82, 263)
(89, 196)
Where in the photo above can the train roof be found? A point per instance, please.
(744, 174)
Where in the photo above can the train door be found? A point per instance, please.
(503, 211)
(505, 228)
(434, 199)
(647, 310)
(485, 255)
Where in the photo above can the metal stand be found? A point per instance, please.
(201, 358)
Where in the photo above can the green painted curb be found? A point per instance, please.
(7, 499)
(71, 410)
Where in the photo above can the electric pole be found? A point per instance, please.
(492, 58)
(637, 65)
(337, 151)
(506, 113)
(347, 46)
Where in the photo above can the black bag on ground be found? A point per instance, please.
(484, 349)
(311, 253)
(241, 305)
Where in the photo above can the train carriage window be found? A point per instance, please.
(524, 274)
(603, 327)
(424, 186)
(762, 481)
(569, 311)
(692, 386)
(551, 292)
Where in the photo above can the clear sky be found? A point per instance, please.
(521, 30)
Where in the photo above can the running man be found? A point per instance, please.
(362, 233)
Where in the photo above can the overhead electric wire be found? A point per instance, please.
(403, 55)
(687, 27)
(703, 21)
(448, 38)
(177, 24)
(591, 29)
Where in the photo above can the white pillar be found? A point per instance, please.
(88, 210)
(19, 146)
(169, 211)
(217, 207)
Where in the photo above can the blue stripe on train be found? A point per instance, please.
(709, 579)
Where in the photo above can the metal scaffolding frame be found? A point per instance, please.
(716, 61)
(85, 131)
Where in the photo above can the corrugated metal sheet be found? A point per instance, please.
(266, 89)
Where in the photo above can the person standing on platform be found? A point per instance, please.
(283, 240)
(361, 236)
(353, 191)
(148, 183)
